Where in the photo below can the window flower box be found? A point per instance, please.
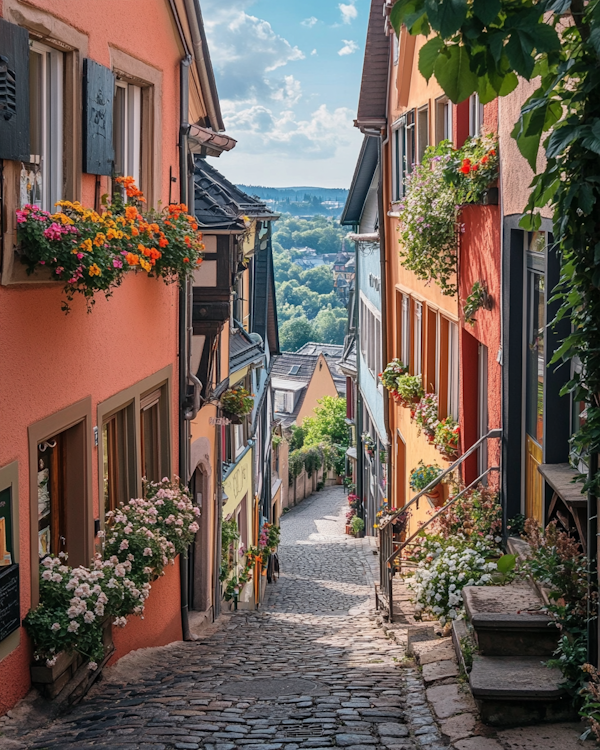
(237, 403)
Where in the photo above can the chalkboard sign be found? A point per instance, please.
(10, 609)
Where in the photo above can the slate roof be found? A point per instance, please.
(361, 182)
(333, 354)
(373, 89)
(244, 348)
(219, 204)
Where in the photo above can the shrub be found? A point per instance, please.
(423, 475)
(409, 389)
(356, 525)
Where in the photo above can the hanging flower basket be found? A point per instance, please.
(236, 404)
(447, 436)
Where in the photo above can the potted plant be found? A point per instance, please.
(356, 526)
(391, 373)
(236, 404)
(422, 475)
(447, 435)
(369, 444)
(426, 415)
(409, 390)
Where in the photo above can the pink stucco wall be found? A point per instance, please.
(50, 360)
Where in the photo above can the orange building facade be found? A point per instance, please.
(82, 392)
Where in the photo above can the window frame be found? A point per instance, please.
(131, 135)
(371, 333)
(9, 479)
(403, 152)
(443, 120)
(422, 132)
(417, 349)
(475, 115)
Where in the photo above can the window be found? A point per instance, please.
(118, 459)
(405, 353)
(238, 439)
(403, 146)
(284, 402)
(536, 366)
(42, 179)
(453, 392)
(475, 115)
(422, 132)
(443, 120)
(370, 339)
(127, 130)
(52, 532)
(153, 443)
(418, 340)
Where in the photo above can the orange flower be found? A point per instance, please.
(99, 239)
(186, 260)
(132, 259)
(163, 242)
(187, 240)
(131, 213)
(94, 270)
(134, 231)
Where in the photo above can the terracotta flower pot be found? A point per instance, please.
(436, 496)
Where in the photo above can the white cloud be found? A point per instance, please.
(349, 12)
(310, 22)
(349, 47)
(290, 92)
(261, 130)
(313, 53)
(244, 50)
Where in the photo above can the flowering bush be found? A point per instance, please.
(423, 475)
(90, 251)
(141, 538)
(390, 375)
(474, 167)
(426, 415)
(238, 401)
(268, 541)
(429, 221)
(409, 390)
(447, 434)
(476, 516)
(439, 579)
(429, 212)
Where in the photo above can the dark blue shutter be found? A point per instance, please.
(14, 92)
(98, 96)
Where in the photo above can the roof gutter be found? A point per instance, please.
(202, 61)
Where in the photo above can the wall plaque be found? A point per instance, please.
(10, 609)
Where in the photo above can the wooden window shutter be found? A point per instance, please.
(14, 92)
(98, 96)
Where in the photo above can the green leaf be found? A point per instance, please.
(561, 138)
(506, 563)
(519, 52)
(446, 16)
(428, 55)
(528, 145)
(485, 90)
(401, 10)
(453, 73)
(531, 222)
(496, 44)
(586, 198)
(486, 10)
(545, 38)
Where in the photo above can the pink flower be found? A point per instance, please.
(79, 256)
(60, 269)
(117, 263)
(54, 232)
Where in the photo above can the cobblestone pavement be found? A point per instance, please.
(310, 670)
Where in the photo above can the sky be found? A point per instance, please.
(288, 74)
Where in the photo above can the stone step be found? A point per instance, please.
(514, 691)
(509, 621)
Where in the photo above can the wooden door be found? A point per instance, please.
(534, 483)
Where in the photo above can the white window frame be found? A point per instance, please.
(475, 115)
(131, 125)
(422, 134)
(418, 334)
(453, 370)
(403, 136)
(238, 438)
(406, 332)
(370, 335)
(50, 161)
(443, 119)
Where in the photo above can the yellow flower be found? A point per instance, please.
(100, 239)
(94, 270)
(145, 265)
(87, 245)
(63, 218)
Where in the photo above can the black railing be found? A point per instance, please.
(390, 544)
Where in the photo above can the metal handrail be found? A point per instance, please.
(443, 509)
(496, 433)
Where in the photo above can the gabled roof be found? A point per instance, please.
(361, 182)
(219, 204)
(372, 103)
(294, 366)
(332, 353)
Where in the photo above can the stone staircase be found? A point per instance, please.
(512, 638)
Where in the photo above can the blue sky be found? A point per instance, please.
(288, 74)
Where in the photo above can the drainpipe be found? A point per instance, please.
(184, 436)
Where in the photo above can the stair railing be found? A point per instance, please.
(389, 549)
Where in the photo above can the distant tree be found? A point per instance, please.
(328, 424)
(297, 439)
(319, 279)
(288, 312)
(329, 327)
(285, 270)
(293, 334)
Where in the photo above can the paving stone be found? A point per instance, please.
(458, 727)
(439, 670)
(448, 700)
(345, 740)
(393, 730)
(563, 736)
(478, 743)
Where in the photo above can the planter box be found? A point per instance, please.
(70, 679)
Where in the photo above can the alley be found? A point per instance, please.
(310, 670)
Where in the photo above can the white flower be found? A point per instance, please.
(55, 626)
(124, 545)
(147, 552)
(89, 617)
(51, 662)
(47, 575)
(111, 584)
(73, 626)
(47, 562)
(100, 534)
(92, 666)
(120, 622)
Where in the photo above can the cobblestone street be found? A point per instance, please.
(310, 670)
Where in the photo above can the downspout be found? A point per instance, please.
(184, 440)
(193, 11)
